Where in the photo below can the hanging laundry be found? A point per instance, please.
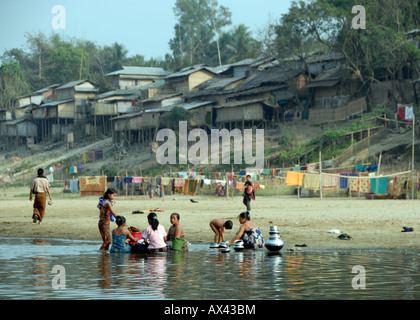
(353, 184)
(296, 168)
(311, 166)
(158, 181)
(330, 182)
(396, 188)
(74, 186)
(179, 182)
(50, 178)
(71, 170)
(166, 181)
(183, 175)
(266, 171)
(327, 164)
(136, 180)
(294, 178)
(379, 185)
(405, 112)
(364, 184)
(153, 181)
(128, 179)
(99, 154)
(187, 186)
(343, 181)
(311, 181)
(359, 167)
(239, 186)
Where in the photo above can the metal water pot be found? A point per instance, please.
(274, 243)
(238, 245)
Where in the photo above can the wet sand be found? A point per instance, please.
(373, 224)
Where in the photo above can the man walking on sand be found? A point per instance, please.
(40, 187)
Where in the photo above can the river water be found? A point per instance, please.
(77, 270)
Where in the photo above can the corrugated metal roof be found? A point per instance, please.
(189, 70)
(149, 71)
(128, 116)
(47, 88)
(328, 78)
(322, 83)
(234, 104)
(195, 104)
(117, 93)
(73, 84)
(14, 122)
(54, 103)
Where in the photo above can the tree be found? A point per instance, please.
(172, 118)
(12, 82)
(372, 54)
(68, 63)
(199, 22)
(116, 56)
(237, 44)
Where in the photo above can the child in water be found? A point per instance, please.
(156, 234)
(176, 231)
(218, 226)
(119, 237)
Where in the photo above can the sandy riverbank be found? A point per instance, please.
(373, 224)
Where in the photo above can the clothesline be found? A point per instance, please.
(366, 177)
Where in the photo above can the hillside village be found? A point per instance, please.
(310, 96)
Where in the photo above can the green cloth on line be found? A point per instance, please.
(379, 185)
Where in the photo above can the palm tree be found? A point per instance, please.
(117, 55)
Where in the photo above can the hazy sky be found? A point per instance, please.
(143, 26)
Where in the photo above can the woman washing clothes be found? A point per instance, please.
(249, 233)
(121, 237)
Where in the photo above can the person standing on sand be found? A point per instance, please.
(249, 193)
(40, 187)
(105, 213)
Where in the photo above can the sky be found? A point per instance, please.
(143, 26)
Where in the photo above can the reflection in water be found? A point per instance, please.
(201, 273)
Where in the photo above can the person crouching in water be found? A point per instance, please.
(176, 233)
(121, 237)
(249, 233)
(156, 235)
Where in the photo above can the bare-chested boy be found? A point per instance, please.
(218, 226)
